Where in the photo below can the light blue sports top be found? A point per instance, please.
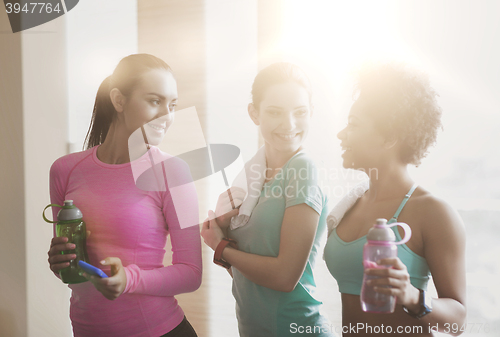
(264, 312)
(345, 259)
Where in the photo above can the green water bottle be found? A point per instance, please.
(70, 224)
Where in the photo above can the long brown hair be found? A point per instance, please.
(125, 77)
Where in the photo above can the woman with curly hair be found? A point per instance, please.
(391, 125)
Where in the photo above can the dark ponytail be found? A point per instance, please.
(125, 77)
(102, 116)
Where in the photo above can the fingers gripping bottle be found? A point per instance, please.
(380, 244)
(70, 224)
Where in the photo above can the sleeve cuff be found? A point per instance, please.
(313, 203)
(130, 272)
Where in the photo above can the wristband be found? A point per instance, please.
(218, 252)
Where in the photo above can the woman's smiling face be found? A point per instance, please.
(283, 116)
(362, 142)
(152, 104)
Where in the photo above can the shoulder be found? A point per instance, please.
(301, 168)
(67, 162)
(436, 215)
(301, 159)
(302, 163)
(303, 185)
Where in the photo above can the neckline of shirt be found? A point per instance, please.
(274, 178)
(117, 166)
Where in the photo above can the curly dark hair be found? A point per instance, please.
(404, 106)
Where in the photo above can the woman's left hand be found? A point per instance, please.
(211, 232)
(113, 286)
(398, 279)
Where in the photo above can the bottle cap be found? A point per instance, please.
(381, 232)
(69, 212)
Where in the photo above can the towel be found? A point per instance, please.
(339, 210)
(255, 174)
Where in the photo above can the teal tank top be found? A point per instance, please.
(345, 259)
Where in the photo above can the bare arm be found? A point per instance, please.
(444, 250)
(284, 271)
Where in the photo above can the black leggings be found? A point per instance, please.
(184, 329)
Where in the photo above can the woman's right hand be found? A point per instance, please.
(58, 261)
(212, 234)
(228, 206)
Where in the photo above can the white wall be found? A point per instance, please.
(231, 63)
(49, 78)
(99, 35)
(12, 244)
(44, 135)
(33, 106)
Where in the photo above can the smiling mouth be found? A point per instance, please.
(157, 127)
(345, 148)
(287, 136)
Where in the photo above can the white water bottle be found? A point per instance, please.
(380, 244)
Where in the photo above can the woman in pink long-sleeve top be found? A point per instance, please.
(129, 224)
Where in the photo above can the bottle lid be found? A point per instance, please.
(69, 212)
(381, 232)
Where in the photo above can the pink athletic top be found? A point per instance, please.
(131, 224)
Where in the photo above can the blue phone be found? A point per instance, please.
(90, 269)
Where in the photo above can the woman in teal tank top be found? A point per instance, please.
(392, 123)
(272, 264)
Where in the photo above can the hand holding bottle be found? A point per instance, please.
(71, 227)
(58, 261)
(376, 293)
(394, 281)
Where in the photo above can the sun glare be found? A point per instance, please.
(339, 35)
